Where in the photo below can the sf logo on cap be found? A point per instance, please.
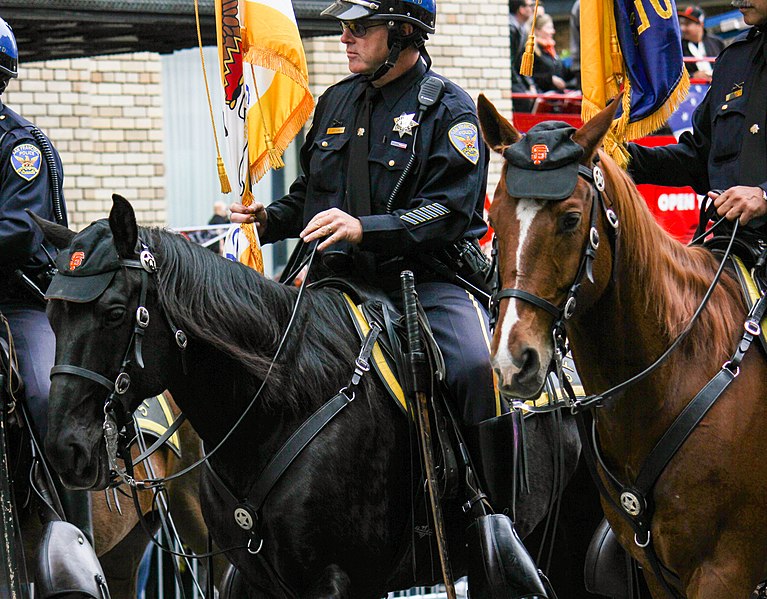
(539, 153)
(76, 260)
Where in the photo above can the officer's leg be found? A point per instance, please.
(500, 566)
(460, 327)
(36, 348)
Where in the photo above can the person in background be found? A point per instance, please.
(575, 42)
(520, 13)
(220, 217)
(549, 74)
(697, 43)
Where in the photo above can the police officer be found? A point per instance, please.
(375, 215)
(440, 202)
(30, 179)
(725, 156)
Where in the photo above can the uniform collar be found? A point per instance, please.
(394, 90)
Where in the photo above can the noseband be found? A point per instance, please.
(564, 312)
(116, 415)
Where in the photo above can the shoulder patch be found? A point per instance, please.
(464, 137)
(25, 160)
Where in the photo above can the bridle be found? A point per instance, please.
(116, 416)
(566, 309)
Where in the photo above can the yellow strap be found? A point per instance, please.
(379, 360)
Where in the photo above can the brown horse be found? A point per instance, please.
(709, 528)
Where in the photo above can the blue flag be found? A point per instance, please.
(634, 46)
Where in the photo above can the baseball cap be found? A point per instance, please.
(547, 149)
(87, 266)
(693, 13)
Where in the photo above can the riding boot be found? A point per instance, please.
(499, 565)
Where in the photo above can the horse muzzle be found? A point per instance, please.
(521, 374)
(79, 463)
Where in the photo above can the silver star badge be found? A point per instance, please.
(754, 129)
(404, 124)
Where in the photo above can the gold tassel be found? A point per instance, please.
(617, 57)
(226, 187)
(526, 68)
(275, 156)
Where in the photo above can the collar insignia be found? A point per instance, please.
(404, 124)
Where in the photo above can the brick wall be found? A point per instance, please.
(104, 115)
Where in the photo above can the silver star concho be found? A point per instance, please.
(754, 129)
(404, 124)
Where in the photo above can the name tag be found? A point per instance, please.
(336, 130)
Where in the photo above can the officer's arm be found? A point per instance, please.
(22, 187)
(679, 164)
(443, 204)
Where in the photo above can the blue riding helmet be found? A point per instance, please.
(420, 13)
(9, 52)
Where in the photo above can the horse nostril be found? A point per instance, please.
(530, 364)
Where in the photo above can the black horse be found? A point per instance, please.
(338, 523)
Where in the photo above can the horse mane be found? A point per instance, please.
(242, 314)
(672, 276)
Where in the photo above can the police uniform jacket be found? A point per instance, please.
(443, 197)
(709, 157)
(25, 183)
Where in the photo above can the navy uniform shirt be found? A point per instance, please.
(709, 158)
(25, 183)
(442, 199)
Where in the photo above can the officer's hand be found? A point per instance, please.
(334, 225)
(255, 213)
(740, 203)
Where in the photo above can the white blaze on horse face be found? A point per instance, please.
(503, 361)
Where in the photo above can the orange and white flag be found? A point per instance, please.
(266, 94)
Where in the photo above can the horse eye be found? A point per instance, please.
(114, 316)
(569, 221)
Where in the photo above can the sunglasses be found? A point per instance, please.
(358, 29)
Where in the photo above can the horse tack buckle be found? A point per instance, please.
(148, 263)
(632, 502)
(599, 178)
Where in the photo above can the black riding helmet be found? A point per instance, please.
(421, 14)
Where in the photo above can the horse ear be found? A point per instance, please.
(122, 221)
(497, 132)
(590, 136)
(56, 234)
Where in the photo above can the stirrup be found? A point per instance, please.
(499, 565)
(67, 564)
